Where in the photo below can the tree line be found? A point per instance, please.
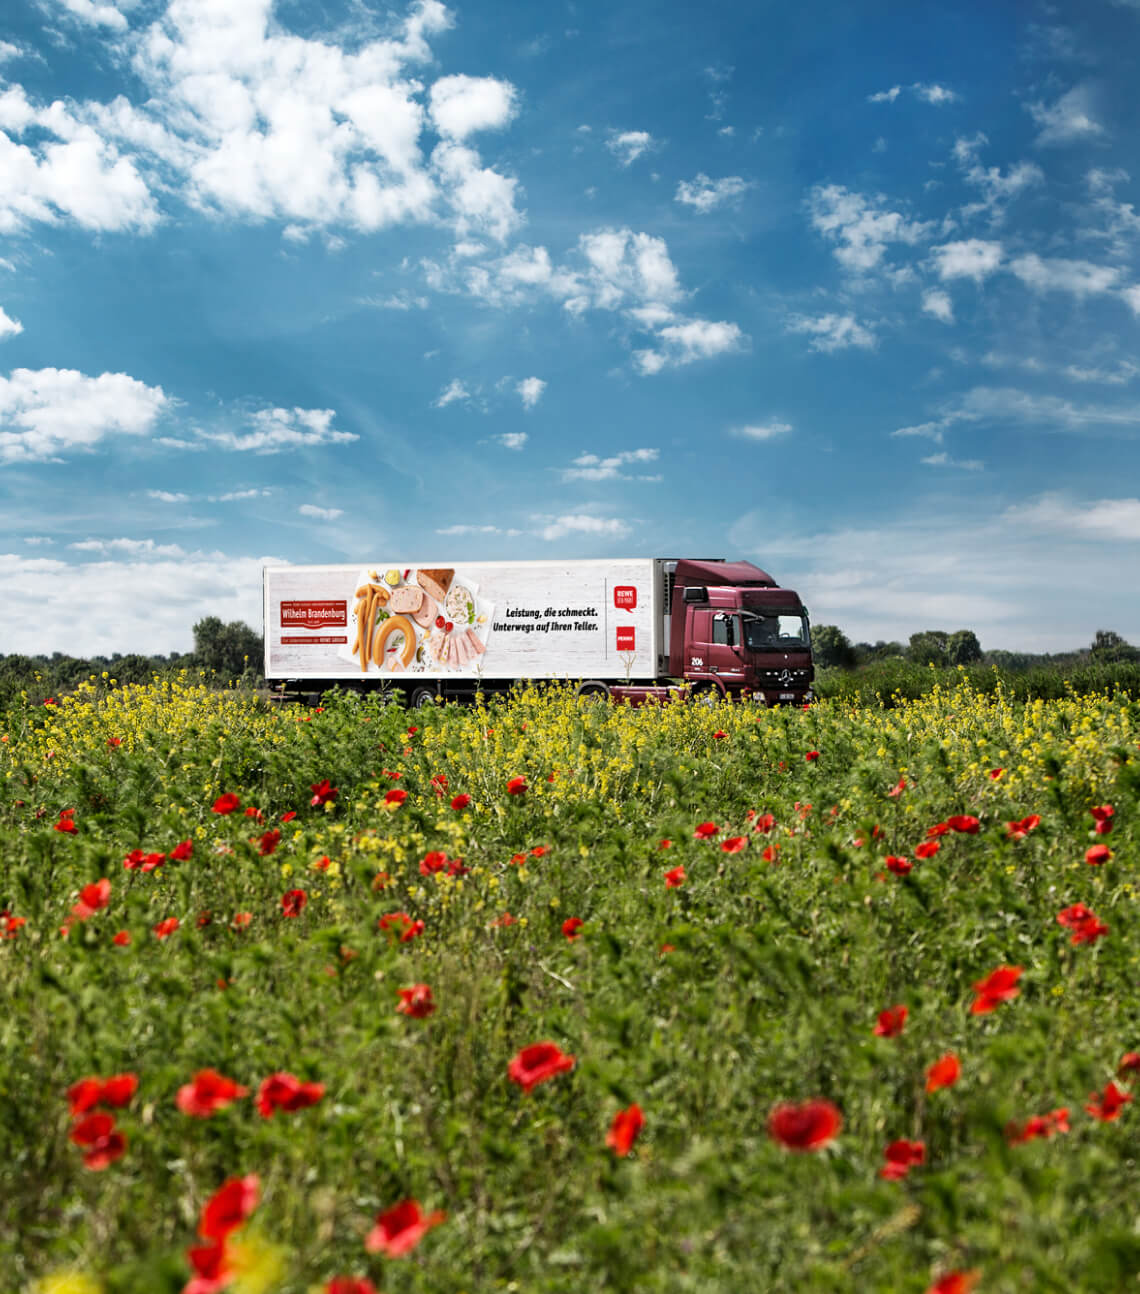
(833, 649)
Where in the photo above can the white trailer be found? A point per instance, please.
(418, 623)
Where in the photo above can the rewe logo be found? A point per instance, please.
(625, 597)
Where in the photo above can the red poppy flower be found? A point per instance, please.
(166, 927)
(92, 898)
(1097, 854)
(416, 1001)
(734, 844)
(9, 925)
(350, 1285)
(571, 926)
(293, 903)
(226, 804)
(51, 701)
(65, 824)
(771, 854)
(181, 852)
(900, 866)
(102, 1141)
(323, 793)
(1088, 932)
(286, 1092)
(322, 863)
(812, 756)
(964, 823)
(460, 801)
(539, 851)
(399, 1230)
(719, 735)
(134, 860)
(433, 862)
(517, 860)
(675, 879)
(927, 849)
(665, 844)
(456, 868)
(207, 1093)
(241, 920)
(501, 923)
(114, 1092)
(256, 814)
(396, 797)
(956, 1282)
(897, 789)
(204, 918)
(152, 862)
(1129, 1064)
(537, 1063)
(999, 986)
(1102, 816)
(288, 817)
(943, 1073)
(114, 741)
(211, 1270)
(1108, 1105)
(440, 782)
(1019, 830)
(939, 829)
(268, 842)
(764, 823)
(625, 1130)
(810, 1125)
(1037, 1126)
(891, 1022)
(402, 925)
(517, 786)
(901, 1156)
(122, 939)
(706, 830)
(229, 1207)
(995, 773)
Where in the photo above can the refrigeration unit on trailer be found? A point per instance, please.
(630, 628)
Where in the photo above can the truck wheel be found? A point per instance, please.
(421, 697)
(593, 690)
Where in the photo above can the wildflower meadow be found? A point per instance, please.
(536, 995)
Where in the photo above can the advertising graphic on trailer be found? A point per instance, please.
(477, 619)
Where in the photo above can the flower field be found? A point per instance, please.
(536, 996)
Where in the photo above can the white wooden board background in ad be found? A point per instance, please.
(522, 638)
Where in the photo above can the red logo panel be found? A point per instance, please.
(625, 597)
(314, 615)
(625, 638)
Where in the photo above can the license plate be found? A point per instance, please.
(787, 696)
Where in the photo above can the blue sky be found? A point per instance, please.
(850, 291)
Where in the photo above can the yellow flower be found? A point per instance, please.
(68, 1282)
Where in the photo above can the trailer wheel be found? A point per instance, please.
(421, 697)
(593, 690)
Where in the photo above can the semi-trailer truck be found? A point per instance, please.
(632, 630)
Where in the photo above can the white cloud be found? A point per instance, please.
(38, 541)
(475, 530)
(1131, 297)
(885, 96)
(705, 194)
(859, 226)
(236, 496)
(932, 93)
(128, 547)
(927, 430)
(320, 514)
(1081, 278)
(578, 524)
(589, 467)
(98, 14)
(937, 303)
(1114, 519)
(396, 301)
(1045, 412)
(280, 429)
(762, 430)
(512, 439)
(832, 331)
(970, 258)
(530, 391)
(944, 460)
(461, 105)
(688, 341)
(481, 198)
(629, 145)
(9, 327)
(455, 390)
(46, 412)
(167, 496)
(125, 596)
(997, 190)
(1067, 121)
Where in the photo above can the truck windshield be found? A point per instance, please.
(776, 631)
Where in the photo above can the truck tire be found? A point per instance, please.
(421, 697)
(593, 690)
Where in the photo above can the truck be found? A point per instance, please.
(632, 630)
